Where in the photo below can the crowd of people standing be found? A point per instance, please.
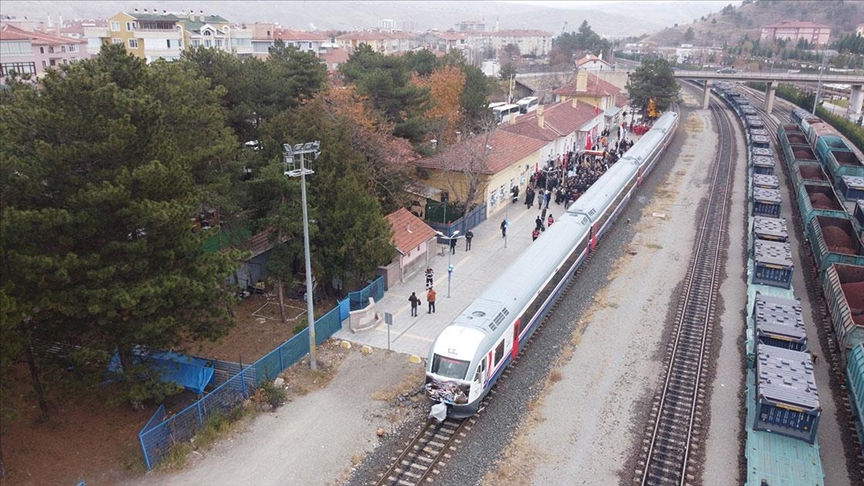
(566, 179)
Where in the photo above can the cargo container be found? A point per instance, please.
(770, 229)
(759, 131)
(779, 322)
(819, 200)
(748, 110)
(755, 122)
(855, 377)
(858, 217)
(833, 240)
(851, 187)
(787, 400)
(763, 165)
(760, 141)
(766, 202)
(772, 263)
(809, 173)
(766, 181)
(844, 293)
(762, 152)
(839, 158)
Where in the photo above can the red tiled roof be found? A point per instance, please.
(590, 58)
(334, 55)
(10, 32)
(528, 126)
(594, 86)
(409, 231)
(505, 149)
(519, 33)
(296, 35)
(259, 243)
(559, 120)
(375, 36)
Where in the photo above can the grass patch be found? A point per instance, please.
(654, 246)
(612, 305)
(217, 426)
(555, 376)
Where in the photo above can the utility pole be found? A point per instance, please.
(288, 160)
(819, 85)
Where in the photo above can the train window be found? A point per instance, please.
(449, 367)
(499, 352)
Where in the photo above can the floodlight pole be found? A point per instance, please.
(302, 150)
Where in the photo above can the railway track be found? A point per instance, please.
(674, 432)
(418, 461)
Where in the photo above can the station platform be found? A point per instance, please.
(473, 269)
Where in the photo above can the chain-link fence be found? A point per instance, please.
(161, 432)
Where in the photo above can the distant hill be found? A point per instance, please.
(612, 18)
(731, 24)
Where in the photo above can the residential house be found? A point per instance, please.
(597, 92)
(30, 52)
(812, 32)
(565, 126)
(332, 57)
(264, 35)
(213, 31)
(383, 42)
(499, 159)
(413, 240)
(593, 63)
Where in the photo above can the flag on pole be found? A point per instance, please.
(597, 110)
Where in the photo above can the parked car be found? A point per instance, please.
(727, 70)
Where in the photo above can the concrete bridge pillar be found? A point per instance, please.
(770, 91)
(855, 99)
(706, 95)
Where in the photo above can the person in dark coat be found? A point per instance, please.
(538, 224)
(415, 302)
(504, 228)
(469, 235)
(452, 245)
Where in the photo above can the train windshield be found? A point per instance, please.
(449, 368)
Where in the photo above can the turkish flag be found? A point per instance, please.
(588, 142)
(596, 110)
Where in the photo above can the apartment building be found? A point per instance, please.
(33, 52)
(383, 42)
(264, 35)
(154, 35)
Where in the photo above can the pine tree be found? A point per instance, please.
(104, 167)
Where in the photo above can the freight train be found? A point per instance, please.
(467, 358)
(783, 407)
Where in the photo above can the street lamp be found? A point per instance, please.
(449, 256)
(288, 159)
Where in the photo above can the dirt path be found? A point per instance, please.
(314, 439)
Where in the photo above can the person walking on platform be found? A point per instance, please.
(535, 234)
(550, 221)
(430, 297)
(452, 245)
(504, 228)
(469, 235)
(415, 301)
(538, 224)
(429, 275)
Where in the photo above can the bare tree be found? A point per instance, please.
(464, 165)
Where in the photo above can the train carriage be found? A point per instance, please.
(469, 355)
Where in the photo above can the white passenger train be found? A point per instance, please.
(468, 356)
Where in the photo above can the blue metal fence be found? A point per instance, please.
(474, 218)
(160, 434)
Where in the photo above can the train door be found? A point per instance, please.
(479, 380)
(516, 338)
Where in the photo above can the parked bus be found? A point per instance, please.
(496, 104)
(529, 104)
(502, 113)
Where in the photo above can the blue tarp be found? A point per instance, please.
(192, 373)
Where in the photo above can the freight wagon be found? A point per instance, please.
(779, 322)
(833, 240)
(787, 400)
